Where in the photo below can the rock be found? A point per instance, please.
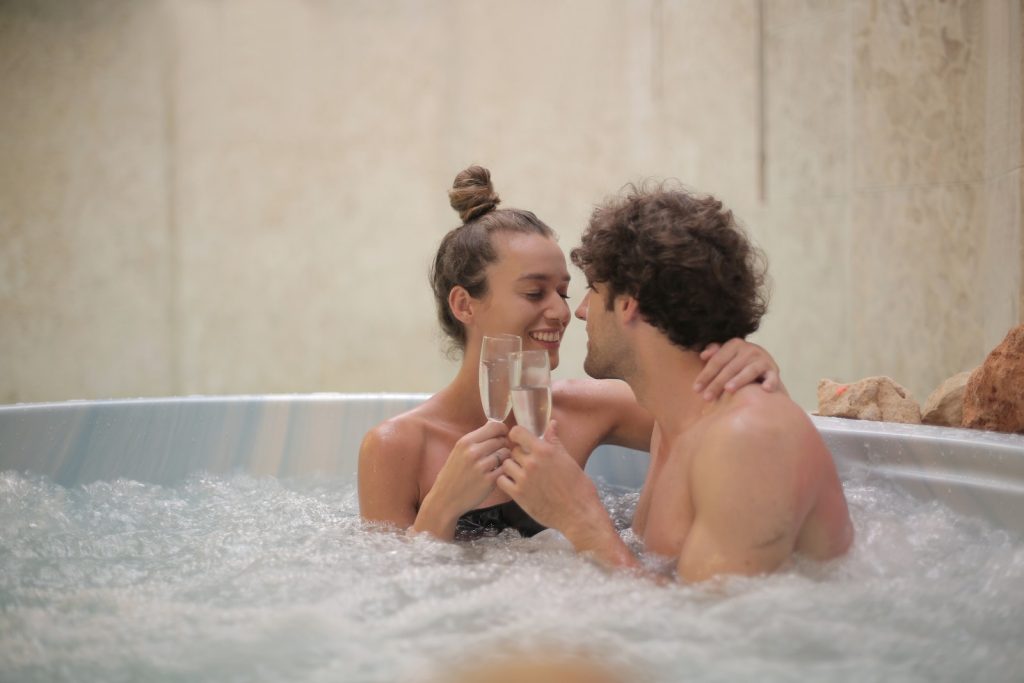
(994, 397)
(872, 398)
(945, 405)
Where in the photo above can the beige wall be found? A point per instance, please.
(244, 196)
(893, 170)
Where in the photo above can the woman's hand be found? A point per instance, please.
(734, 365)
(465, 480)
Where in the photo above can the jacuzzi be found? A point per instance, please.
(89, 471)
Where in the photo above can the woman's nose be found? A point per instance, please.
(559, 310)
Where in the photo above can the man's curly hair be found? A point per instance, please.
(692, 270)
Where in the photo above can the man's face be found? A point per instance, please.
(607, 349)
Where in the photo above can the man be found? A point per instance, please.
(734, 486)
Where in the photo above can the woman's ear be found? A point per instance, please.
(461, 304)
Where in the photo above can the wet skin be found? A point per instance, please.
(423, 469)
(735, 486)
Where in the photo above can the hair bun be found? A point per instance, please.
(472, 194)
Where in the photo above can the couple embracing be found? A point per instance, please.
(739, 479)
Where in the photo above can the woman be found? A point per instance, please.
(433, 468)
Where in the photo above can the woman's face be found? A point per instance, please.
(526, 293)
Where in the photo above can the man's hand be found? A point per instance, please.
(549, 485)
(734, 365)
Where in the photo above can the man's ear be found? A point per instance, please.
(628, 307)
(461, 304)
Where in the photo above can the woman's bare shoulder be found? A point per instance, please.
(608, 406)
(399, 437)
(390, 459)
(591, 394)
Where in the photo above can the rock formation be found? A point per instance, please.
(945, 405)
(872, 398)
(994, 397)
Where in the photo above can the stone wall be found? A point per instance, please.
(244, 196)
(892, 208)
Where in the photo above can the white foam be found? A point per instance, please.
(264, 580)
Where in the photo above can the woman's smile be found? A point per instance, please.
(549, 339)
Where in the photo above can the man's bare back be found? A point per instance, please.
(742, 488)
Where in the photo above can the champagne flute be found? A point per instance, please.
(531, 389)
(494, 374)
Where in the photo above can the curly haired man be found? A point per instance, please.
(734, 486)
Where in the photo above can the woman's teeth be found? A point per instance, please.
(548, 337)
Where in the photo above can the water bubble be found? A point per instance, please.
(244, 578)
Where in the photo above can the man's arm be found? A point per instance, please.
(749, 497)
(549, 485)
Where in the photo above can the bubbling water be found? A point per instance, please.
(244, 579)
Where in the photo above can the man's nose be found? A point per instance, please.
(581, 310)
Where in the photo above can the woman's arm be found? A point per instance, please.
(734, 365)
(604, 411)
(465, 481)
(389, 466)
(389, 463)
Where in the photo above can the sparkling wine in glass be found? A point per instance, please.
(494, 374)
(531, 389)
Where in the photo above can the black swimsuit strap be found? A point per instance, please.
(496, 518)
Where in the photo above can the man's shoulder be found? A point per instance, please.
(758, 422)
(759, 445)
(753, 407)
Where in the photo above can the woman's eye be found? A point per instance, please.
(564, 295)
(540, 295)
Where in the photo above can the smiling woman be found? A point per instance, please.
(433, 469)
(528, 291)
